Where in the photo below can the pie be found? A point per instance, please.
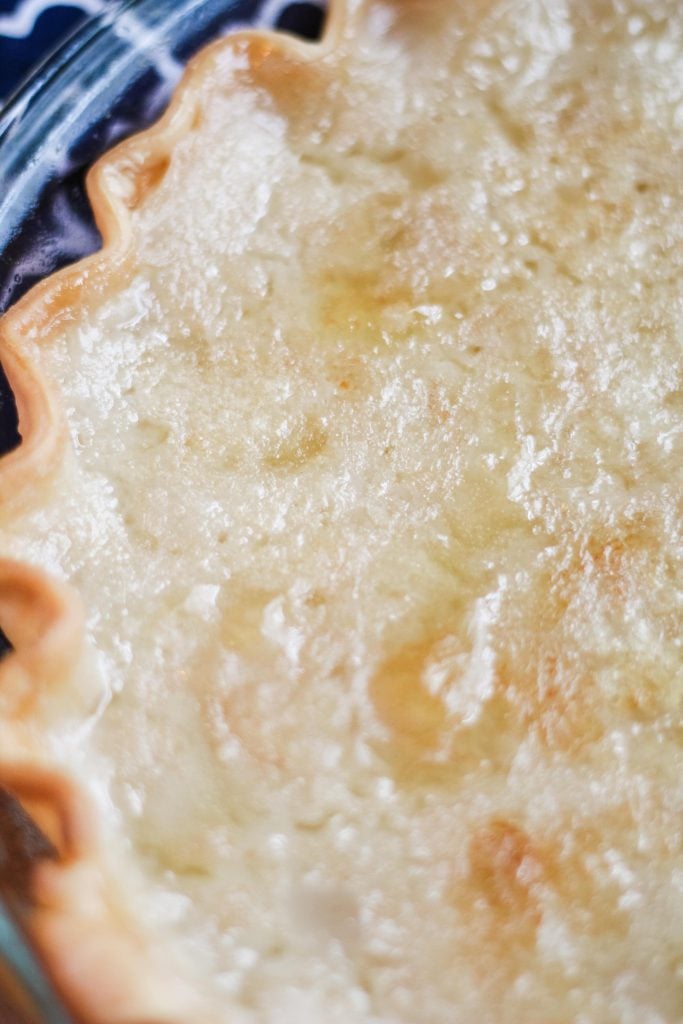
(341, 553)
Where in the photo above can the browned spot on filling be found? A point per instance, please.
(304, 442)
(513, 879)
(147, 177)
(403, 699)
(505, 870)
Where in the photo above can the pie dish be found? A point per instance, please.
(340, 554)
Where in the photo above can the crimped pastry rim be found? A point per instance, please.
(50, 613)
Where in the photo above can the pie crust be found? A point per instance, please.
(508, 880)
(89, 949)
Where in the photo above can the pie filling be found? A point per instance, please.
(371, 500)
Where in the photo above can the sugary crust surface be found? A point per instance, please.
(512, 886)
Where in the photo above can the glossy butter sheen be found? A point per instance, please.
(373, 506)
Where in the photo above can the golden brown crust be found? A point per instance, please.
(42, 619)
(91, 952)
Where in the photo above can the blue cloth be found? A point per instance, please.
(31, 29)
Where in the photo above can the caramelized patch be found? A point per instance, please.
(403, 700)
(513, 880)
(294, 87)
(421, 20)
(304, 442)
(349, 301)
(485, 746)
(505, 871)
(357, 284)
(140, 174)
(151, 176)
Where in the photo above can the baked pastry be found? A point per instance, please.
(341, 550)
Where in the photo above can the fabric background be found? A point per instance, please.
(31, 29)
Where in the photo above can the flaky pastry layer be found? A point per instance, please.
(357, 443)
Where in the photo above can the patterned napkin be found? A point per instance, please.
(31, 29)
